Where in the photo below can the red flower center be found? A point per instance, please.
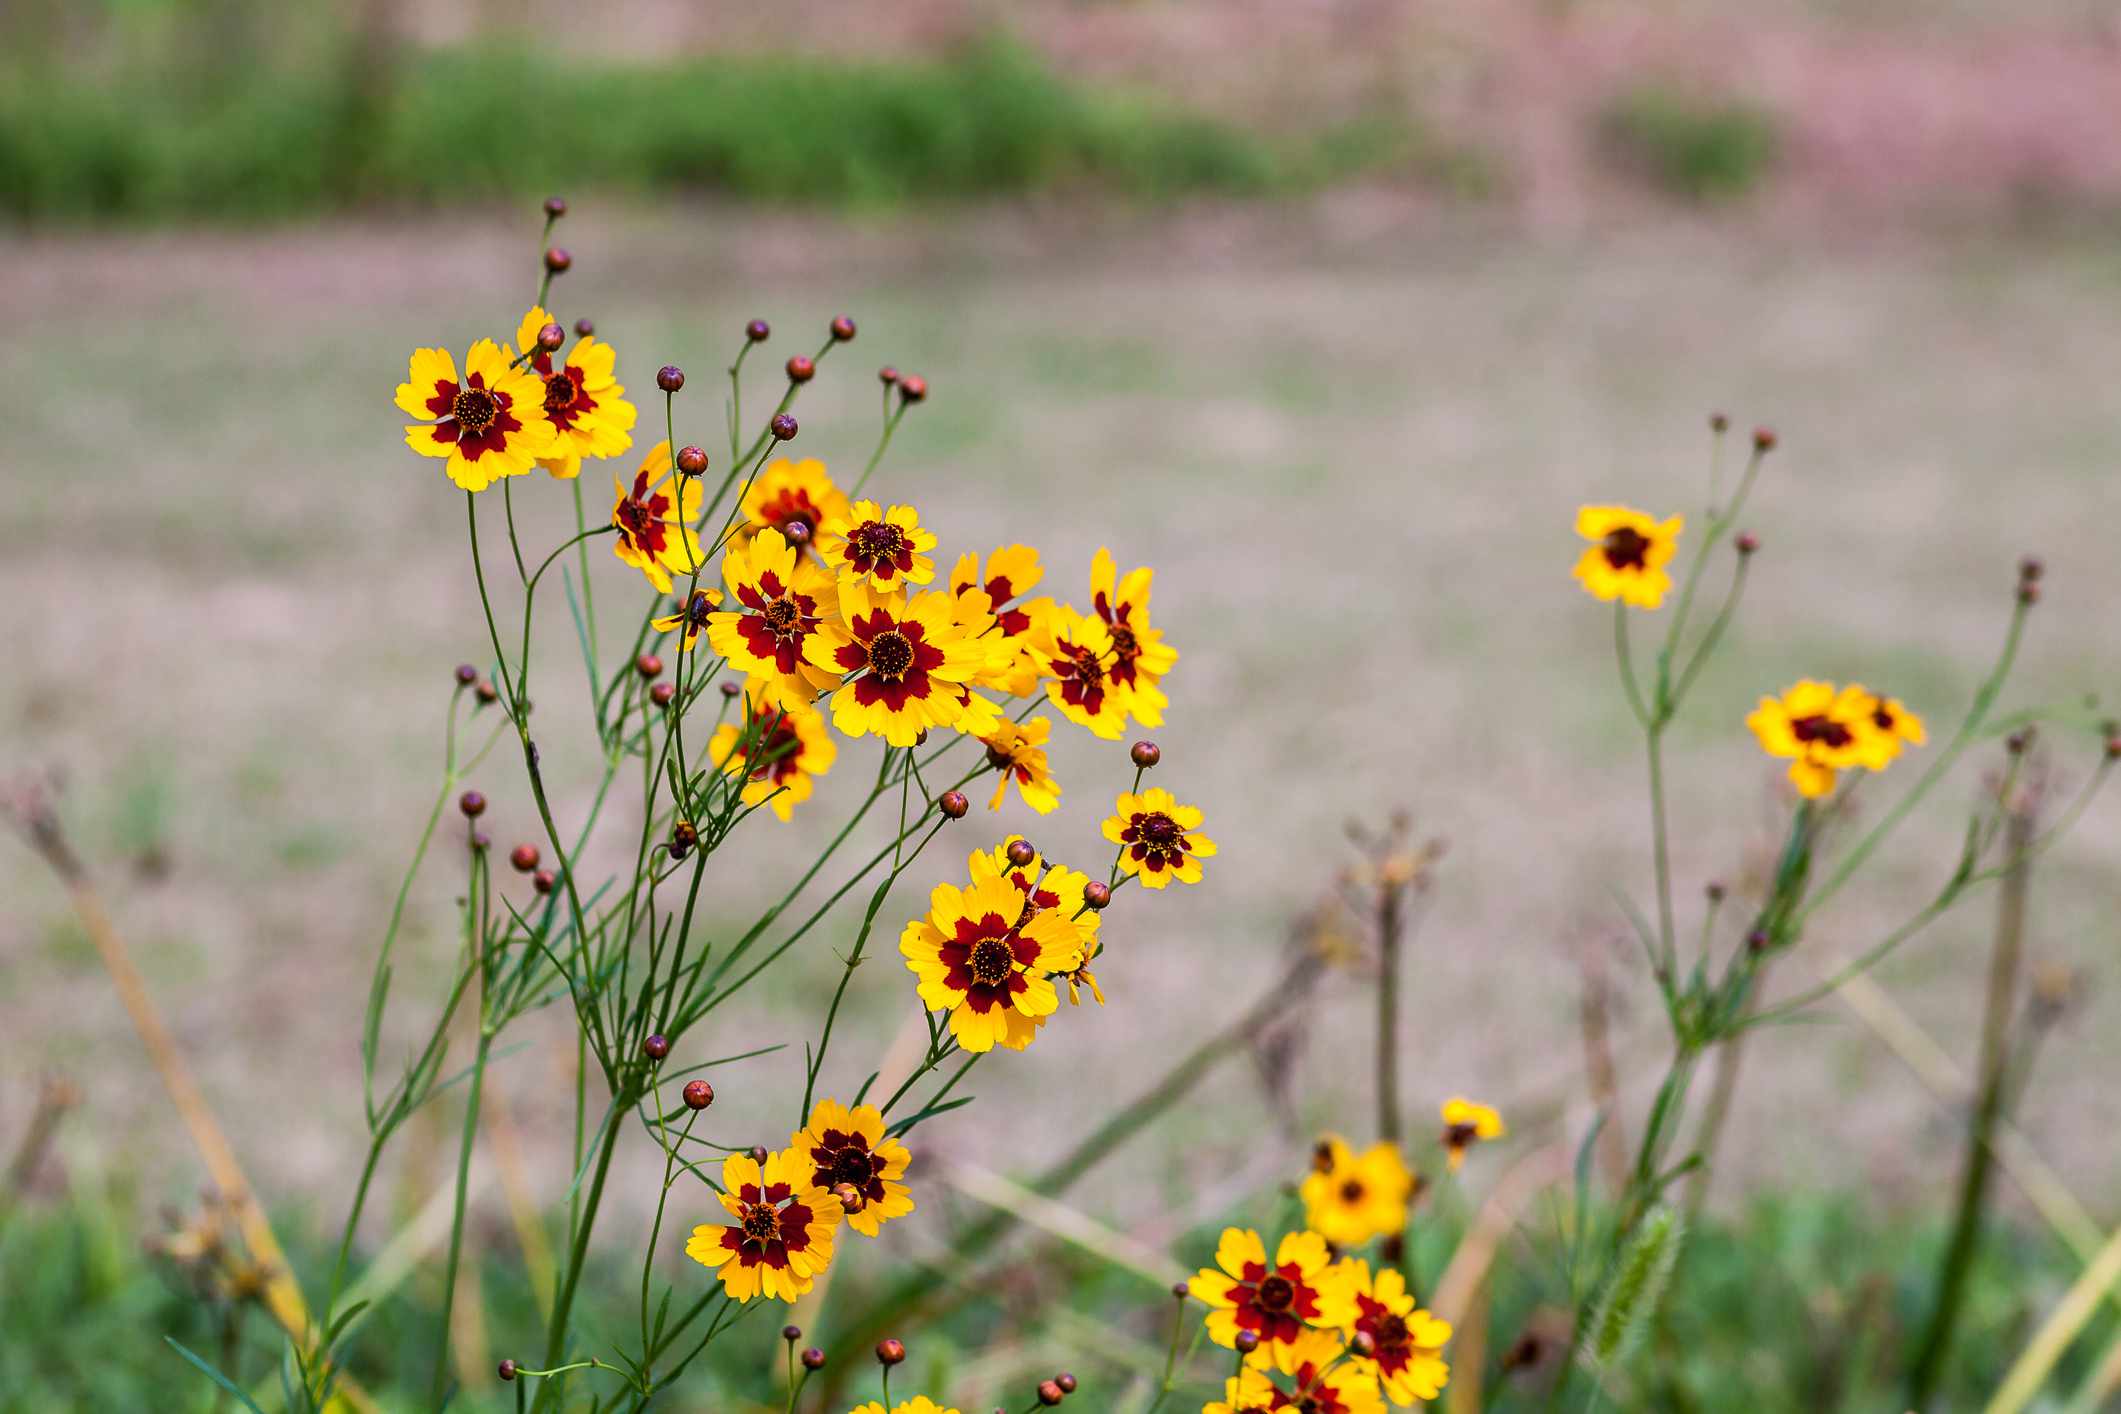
(1626, 549)
(1823, 730)
(474, 410)
(1352, 1191)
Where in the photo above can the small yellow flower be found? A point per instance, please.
(779, 748)
(1465, 1122)
(1321, 1376)
(1018, 752)
(849, 1147)
(886, 547)
(781, 603)
(693, 617)
(1303, 1287)
(906, 661)
(1159, 839)
(1011, 573)
(1140, 655)
(1824, 730)
(583, 401)
(1408, 1341)
(1628, 553)
(1896, 724)
(782, 1237)
(488, 425)
(919, 1404)
(1049, 886)
(1350, 1198)
(788, 494)
(1075, 654)
(655, 532)
(985, 958)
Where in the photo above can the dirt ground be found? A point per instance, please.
(1350, 438)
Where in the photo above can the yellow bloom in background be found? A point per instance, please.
(1628, 553)
(583, 401)
(1301, 1288)
(791, 493)
(487, 425)
(907, 660)
(1075, 654)
(984, 958)
(692, 617)
(780, 749)
(1823, 731)
(919, 1404)
(1320, 1377)
(1350, 1198)
(848, 1147)
(782, 1236)
(1159, 839)
(1049, 886)
(1896, 725)
(1464, 1123)
(655, 530)
(1018, 752)
(1409, 1341)
(781, 603)
(1140, 655)
(1011, 572)
(886, 547)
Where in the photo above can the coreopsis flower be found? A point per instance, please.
(1408, 1341)
(487, 424)
(1045, 886)
(692, 616)
(849, 1146)
(886, 547)
(1895, 724)
(655, 528)
(1140, 655)
(1018, 751)
(1350, 1198)
(791, 493)
(919, 1404)
(782, 1236)
(781, 603)
(583, 400)
(907, 661)
(1628, 553)
(1301, 1288)
(1075, 654)
(979, 957)
(1464, 1124)
(1159, 839)
(1011, 572)
(1320, 1377)
(779, 749)
(1823, 731)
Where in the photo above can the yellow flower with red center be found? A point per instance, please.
(1628, 554)
(1012, 572)
(1075, 654)
(1302, 1288)
(1321, 1379)
(1140, 655)
(788, 494)
(1824, 730)
(779, 749)
(1350, 1198)
(907, 660)
(781, 604)
(849, 1147)
(782, 1237)
(582, 400)
(655, 528)
(1018, 751)
(1047, 886)
(488, 424)
(919, 1404)
(1466, 1123)
(1408, 1341)
(886, 547)
(692, 616)
(1159, 839)
(980, 958)
(1895, 724)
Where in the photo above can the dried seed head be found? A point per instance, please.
(887, 375)
(1097, 893)
(558, 261)
(758, 330)
(585, 326)
(551, 336)
(1050, 1392)
(523, 858)
(670, 378)
(1747, 542)
(1763, 439)
(1719, 422)
(648, 666)
(890, 1351)
(1021, 852)
(698, 1096)
(1247, 1342)
(692, 460)
(543, 881)
(662, 693)
(1145, 754)
(656, 1046)
(842, 329)
(555, 207)
(801, 369)
(912, 387)
(1066, 1381)
(508, 1367)
(472, 804)
(466, 675)
(953, 804)
(813, 1359)
(782, 427)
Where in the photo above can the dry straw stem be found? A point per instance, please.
(1070, 1225)
(2053, 1338)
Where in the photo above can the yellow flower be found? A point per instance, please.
(1628, 553)
(919, 1404)
(1075, 653)
(1350, 1198)
(1018, 752)
(488, 425)
(1824, 731)
(781, 748)
(1303, 1287)
(693, 616)
(1895, 724)
(1012, 571)
(655, 535)
(1409, 1341)
(1047, 886)
(1158, 838)
(849, 1147)
(1321, 1377)
(1463, 1123)
(583, 401)
(782, 1236)
(981, 958)
(1140, 655)
(888, 548)
(782, 603)
(908, 660)
(790, 493)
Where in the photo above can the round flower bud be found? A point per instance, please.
(757, 331)
(2030, 568)
(2018, 741)
(472, 804)
(1247, 1342)
(523, 858)
(842, 329)
(466, 675)
(850, 1197)
(782, 427)
(551, 336)
(913, 387)
(1757, 940)
(1364, 1344)
(730, 688)
(1181, 1290)
(1066, 1382)
(1719, 422)
(558, 261)
(691, 460)
(758, 1153)
(662, 693)
(1145, 754)
(1021, 852)
(1747, 542)
(791, 1333)
(813, 1359)
(1764, 439)
(953, 804)
(2113, 746)
(555, 207)
(508, 1367)
(1715, 892)
(889, 1351)
(656, 1046)
(486, 691)
(648, 666)
(1050, 1392)
(698, 1096)
(670, 378)
(887, 375)
(585, 326)
(801, 369)
(796, 532)
(1097, 893)
(543, 881)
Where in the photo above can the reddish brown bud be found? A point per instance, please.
(1021, 852)
(551, 336)
(782, 427)
(813, 1359)
(757, 331)
(730, 688)
(466, 675)
(1097, 893)
(683, 836)
(1145, 754)
(1364, 1344)
(890, 1351)
(692, 460)
(953, 804)
(1050, 1392)
(585, 326)
(523, 858)
(791, 1333)
(887, 375)
(913, 387)
(758, 1153)
(472, 804)
(543, 881)
(508, 1367)
(648, 666)
(1747, 542)
(1181, 1290)
(1763, 439)
(555, 207)
(698, 1096)
(1757, 940)
(2113, 747)
(2018, 741)
(662, 693)
(1715, 892)
(1066, 1381)
(1246, 1342)
(796, 532)
(842, 329)
(801, 369)
(670, 378)
(486, 691)
(1719, 422)
(2030, 568)
(558, 261)
(656, 1046)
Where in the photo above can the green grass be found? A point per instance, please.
(1703, 149)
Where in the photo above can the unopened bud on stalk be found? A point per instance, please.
(555, 207)
(813, 1359)
(558, 261)
(662, 693)
(1363, 1344)
(842, 329)
(1246, 1342)
(890, 1351)
(1764, 439)
(887, 375)
(953, 804)
(850, 1197)
(1180, 1290)
(466, 675)
(523, 858)
(691, 460)
(730, 687)
(1050, 1393)
(758, 331)
(1719, 422)
(1145, 754)
(508, 1367)
(801, 369)
(2113, 741)
(543, 881)
(791, 1333)
(1097, 893)
(758, 1153)
(698, 1096)
(656, 1046)
(1747, 542)
(585, 326)
(1757, 940)
(551, 336)
(670, 378)
(782, 427)
(796, 532)
(486, 691)
(683, 836)
(2030, 568)
(1715, 892)
(1021, 852)
(913, 387)
(1066, 1382)
(648, 666)
(472, 804)
(2018, 741)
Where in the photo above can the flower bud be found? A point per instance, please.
(523, 858)
(683, 836)
(1747, 542)
(1145, 754)
(757, 331)
(759, 1153)
(1715, 891)
(1763, 439)
(1066, 1382)
(1246, 1342)
(472, 804)
(730, 687)
(1181, 1290)
(887, 375)
(1757, 940)
(1049, 1392)
(508, 1367)
(913, 387)
(2113, 745)
(813, 1359)
(466, 675)
(670, 378)
(486, 691)
(558, 261)
(1719, 422)
(1097, 893)
(890, 1351)
(782, 427)
(953, 804)
(691, 460)
(2018, 741)
(698, 1096)
(648, 666)
(585, 326)
(2030, 568)
(662, 693)
(842, 329)
(543, 881)
(791, 1333)
(656, 1046)
(801, 369)
(796, 532)
(551, 336)
(1021, 852)
(1364, 1344)
(555, 207)
(850, 1197)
